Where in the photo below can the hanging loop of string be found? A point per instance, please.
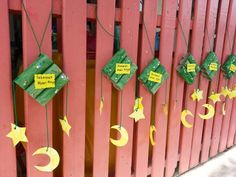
(102, 26)
(114, 37)
(151, 49)
(186, 43)
(211, 45)
(39, 43)
(146, 32)
(181, 28)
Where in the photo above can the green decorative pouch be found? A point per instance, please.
(188, 69)
(42, 79)
(229, 67)
(153, 76)
(120, 69)
(210, 66)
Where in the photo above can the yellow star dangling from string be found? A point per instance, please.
(138, 110)
(225, 91)
(197, 95)
(65, 125)
(17, 134)
(215, 97)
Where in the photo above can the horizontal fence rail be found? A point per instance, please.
(86, 40)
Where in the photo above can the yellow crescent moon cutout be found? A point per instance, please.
(210, 114)
(53, 156)
(183, 118)
(152, 130)
(124, 137)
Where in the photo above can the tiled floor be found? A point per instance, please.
(223, 165)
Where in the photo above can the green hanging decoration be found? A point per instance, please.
(153, 76)
(42, 79)
(229, 67)
(188, 68)
(210, 66)
(119, 69)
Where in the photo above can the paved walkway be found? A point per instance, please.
(224, 165)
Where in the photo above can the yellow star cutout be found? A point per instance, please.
(17, 134)
(225, 91)
(65, 125)
(197, 95)
(215, 97)
(137, 115)
(138, 110)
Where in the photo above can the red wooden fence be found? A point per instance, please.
(177, 148)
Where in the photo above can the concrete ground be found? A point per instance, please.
(223, 165)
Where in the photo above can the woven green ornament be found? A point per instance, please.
(210, 66)
(153, 76)
(229, 67)
(120, 69)
(188, 69)
(42, 79)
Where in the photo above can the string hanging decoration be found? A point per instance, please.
(210, 66)
(42, 80)
(229, 67)
(119, 69)
(153, 76)
(188, 69)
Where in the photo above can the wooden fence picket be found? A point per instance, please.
(129, 41)
(230, 32)
(232, 128)
(8, 167)
(209, 32)
(35, 113)
(74, 64)
(141, 144)
(104, 52)
(196, 50)
(218, 113)
(177, 84)
(168, 24)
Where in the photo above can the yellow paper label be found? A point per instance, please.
(42, 81)
(213, 67)
(191, 68)
(155, 77)
(232, 68)
(122, 68)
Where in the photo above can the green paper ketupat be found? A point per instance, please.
(120, 69)
(210, 66)
(153, 76)
(42, 66)
(188, 69)
(229, 67)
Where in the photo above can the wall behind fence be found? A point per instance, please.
(87, 151)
